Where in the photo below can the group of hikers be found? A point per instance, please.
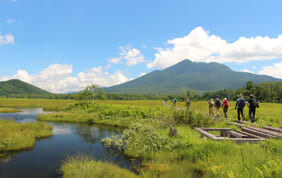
(217, 104)
(252, 103)
(240, 104)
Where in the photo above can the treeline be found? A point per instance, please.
(264, 92)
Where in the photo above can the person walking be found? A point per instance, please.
(225, 106)
(211, 103)
(188, 104)
(174, 102)
(240, 104)
(252, 104)
(217, 105)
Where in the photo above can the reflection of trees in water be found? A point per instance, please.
(94, 134)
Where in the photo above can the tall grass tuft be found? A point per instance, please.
(85, 166)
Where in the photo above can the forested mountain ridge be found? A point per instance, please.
(18, 87)
(201, 77)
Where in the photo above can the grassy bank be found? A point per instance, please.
(83, 166)
(8, 110)
(89, 118)
(16, 136)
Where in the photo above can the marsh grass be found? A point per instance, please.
(202, 157)
(86, 166)
(16, 136)
(8, 110)
(46, 104)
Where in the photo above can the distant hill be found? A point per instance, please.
(200, 76)
(18, 87)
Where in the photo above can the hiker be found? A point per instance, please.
(240, 104)
(174, 101)
(217, 105)
(188, 104)
(252, 104)
(225, 106)
(211, 106)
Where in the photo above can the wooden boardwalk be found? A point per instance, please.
(246, 134)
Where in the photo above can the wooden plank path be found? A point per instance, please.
(273, 133)
(228, 134)
(246, 134)
(273, 129)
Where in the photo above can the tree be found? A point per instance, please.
(94, 89)
(191, 94)
(183, 93)
(89, 92)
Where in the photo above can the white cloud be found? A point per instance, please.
(132, 56)
(247, 70)
(274, 71)
(7, 39)
(10, 21)
(58, 78)
(14, 0)
(198, 45)
(142, 74)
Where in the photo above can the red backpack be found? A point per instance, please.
(226, 105)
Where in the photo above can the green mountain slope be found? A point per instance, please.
(199, 76)
(17, 87)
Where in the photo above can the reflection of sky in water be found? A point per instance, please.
(61, 130)
(25, 115)
(68, 139)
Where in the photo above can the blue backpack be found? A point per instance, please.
(217, 103)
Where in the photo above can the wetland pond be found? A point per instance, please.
(48, 154)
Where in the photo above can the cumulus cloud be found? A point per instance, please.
(58, 78)
(142, 74)
(199, 45)
(7, 39)
(247, 70)
(274, 71)
(132, 56)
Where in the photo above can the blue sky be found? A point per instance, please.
(65, 45)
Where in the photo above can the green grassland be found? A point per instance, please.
(186, 155)
(46, 104)
(8, 110)
(16, 136)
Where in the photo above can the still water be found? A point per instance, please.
(47, 156)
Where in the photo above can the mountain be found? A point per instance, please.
(18, 87)
(191, 75)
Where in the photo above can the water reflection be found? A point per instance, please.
(61, 130)
(25, 115)
(46, 157)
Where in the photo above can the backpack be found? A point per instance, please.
(217, 103)
(211, 102)
(256, 103)
(226, 104)
(241, 103)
